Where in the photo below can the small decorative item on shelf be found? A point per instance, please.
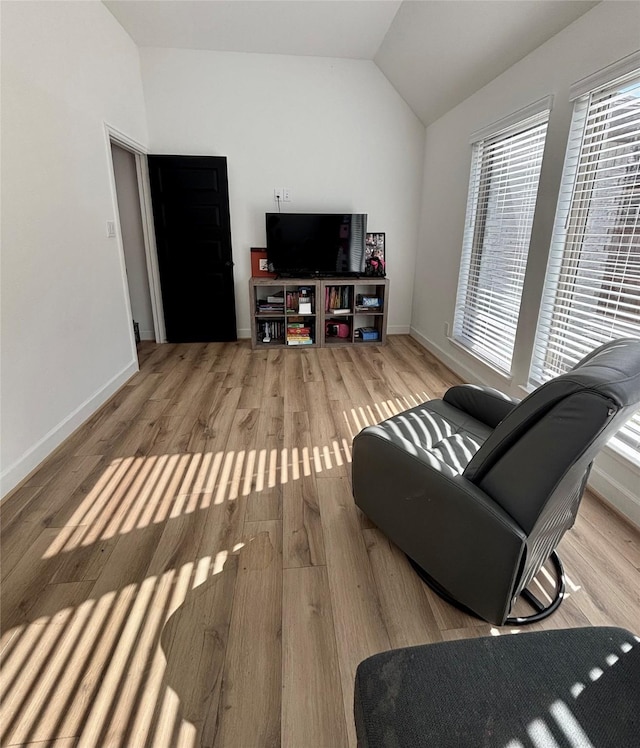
(304, 301)
(374, 255)
(367, 333)
(337, 330)
(267, 333)
(368, 302)
(260, 266)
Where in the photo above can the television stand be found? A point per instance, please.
(318, 311)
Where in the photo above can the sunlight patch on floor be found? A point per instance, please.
(97, 670)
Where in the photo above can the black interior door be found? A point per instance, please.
(190, 198)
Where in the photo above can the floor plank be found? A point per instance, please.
(303, 542)
(252, 677)
(335, 386)
(312, 709)
(353, 592)
(201, 625)
(407, 614)
(267, 461)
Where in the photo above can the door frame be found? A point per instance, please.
(116, 137)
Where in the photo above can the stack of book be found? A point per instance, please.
(272, 304)
(298, 333)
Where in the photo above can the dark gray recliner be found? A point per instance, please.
(478, 489)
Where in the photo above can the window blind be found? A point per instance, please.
(505, 172)
(592, 287)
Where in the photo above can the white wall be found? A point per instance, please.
(66, 339)
(124, 170)
(600, 37)
(334, 132)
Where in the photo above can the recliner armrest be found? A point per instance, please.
(483, 403)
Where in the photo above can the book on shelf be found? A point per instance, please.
(271, 332)
(299, 341)
(303, 296)
(337, 299)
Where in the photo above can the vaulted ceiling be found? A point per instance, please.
(436, 53)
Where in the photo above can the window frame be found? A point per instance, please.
(524, 130)
(570, 247)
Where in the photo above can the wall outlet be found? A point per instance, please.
(277, 193)
(286, 195)
(111, 229)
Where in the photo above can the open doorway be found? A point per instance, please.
(133, 243)
(135, 234)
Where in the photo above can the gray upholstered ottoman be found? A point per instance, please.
(576, 688)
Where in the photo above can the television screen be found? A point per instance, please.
(302, 244)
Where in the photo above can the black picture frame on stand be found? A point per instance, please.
(374, 255)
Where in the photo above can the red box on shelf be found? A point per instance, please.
(259, 263)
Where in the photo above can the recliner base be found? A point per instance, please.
(542, 611)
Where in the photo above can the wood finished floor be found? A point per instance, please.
(189, 567)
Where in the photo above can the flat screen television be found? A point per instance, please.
(316, 244)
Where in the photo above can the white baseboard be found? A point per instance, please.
(147, 335)
(11, 476)
(601, 481)
(456, 366)
(398, 329)
(615, 493)
(244, 333)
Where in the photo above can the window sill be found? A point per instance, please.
(507, 376)
(623, 453)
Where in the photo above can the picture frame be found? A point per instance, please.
(259, 264)
(375, 263)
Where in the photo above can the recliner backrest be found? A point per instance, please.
(559, 428)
